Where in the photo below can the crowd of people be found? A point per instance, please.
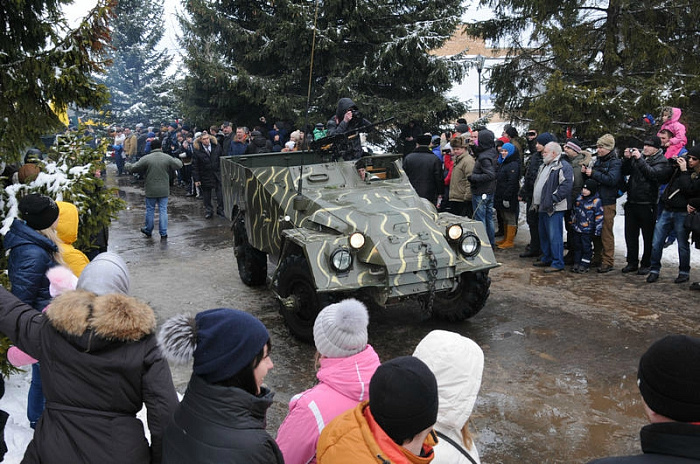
(570, 193)
(101, 358)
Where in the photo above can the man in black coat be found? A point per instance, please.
(424, 170)
(207, 173)
(646, 169)
(483, 181)
(668, 381)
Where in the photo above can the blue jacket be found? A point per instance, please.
(607, 171)
(588, 215)
(31, 255)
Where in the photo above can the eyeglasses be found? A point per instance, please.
(694, 158)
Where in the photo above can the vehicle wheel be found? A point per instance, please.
(295, 283)
(252, 263)
(466, 300)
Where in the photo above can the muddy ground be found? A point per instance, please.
(561, 349)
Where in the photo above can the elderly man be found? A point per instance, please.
(551, 196)
(646, 170)
(424, 170)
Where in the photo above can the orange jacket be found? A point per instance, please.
(355, 438)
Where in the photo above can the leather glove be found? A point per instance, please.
(506, 204)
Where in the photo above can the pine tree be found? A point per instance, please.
(141, 90)
(594, 66)
(45, 65)
(252, 58)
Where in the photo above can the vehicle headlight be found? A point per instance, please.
(341, 260)
(470, 245)
(357, 240)
(454, 232)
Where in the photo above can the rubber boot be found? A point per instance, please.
(510, 236)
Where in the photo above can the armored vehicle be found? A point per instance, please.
(337, 229)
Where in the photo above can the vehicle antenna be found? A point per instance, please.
(308, 95)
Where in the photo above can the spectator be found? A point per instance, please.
(506, 196)
(222, 415)
(670, 119)
(100, 364)
(551, 197)
(395, 425)
(645, 170)
(130, 144)
(227, 132)
(536, 144)
(259, 143)
(424, 170)
(239, 145)
(157, 167)
(67, 230)
(607, 172)
(683, 185)
(460, 189)
(347, 364)
(587, 222)
(319, 131)
(694, 208)
(577, 158)
(207, 173)
(668, 382)
(409, 134)
(458, 364)
(33, 249)
(483, 181)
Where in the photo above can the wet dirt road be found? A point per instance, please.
(561, 350)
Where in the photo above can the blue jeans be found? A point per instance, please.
(35, 398)
(552, 238)
(162, 214)
(668, 221)
(483, 211)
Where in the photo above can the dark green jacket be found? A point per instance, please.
(156, 166)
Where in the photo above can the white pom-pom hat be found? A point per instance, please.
(340, 329)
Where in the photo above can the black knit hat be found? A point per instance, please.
(39, 211)
(424, 139)
(653, 141)
(403, 397)
(591, 186)
(669, 377)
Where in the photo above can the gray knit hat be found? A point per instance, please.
(105, 274)
(340, 329)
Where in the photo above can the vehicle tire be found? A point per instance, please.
(294, 279)
(252, 263)
(466, 300)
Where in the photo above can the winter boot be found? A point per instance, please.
(510, 236)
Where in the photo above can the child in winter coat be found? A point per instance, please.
(67, 229)
(347, 364)
(458, 364)
(587, 222)
(670, 119)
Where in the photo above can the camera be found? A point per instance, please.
(357, 115)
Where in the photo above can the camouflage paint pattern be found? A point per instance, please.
(399, 227)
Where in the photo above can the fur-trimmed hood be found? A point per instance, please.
(112, 317)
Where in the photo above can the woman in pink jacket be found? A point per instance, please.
(670, 118)
(347, 364)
